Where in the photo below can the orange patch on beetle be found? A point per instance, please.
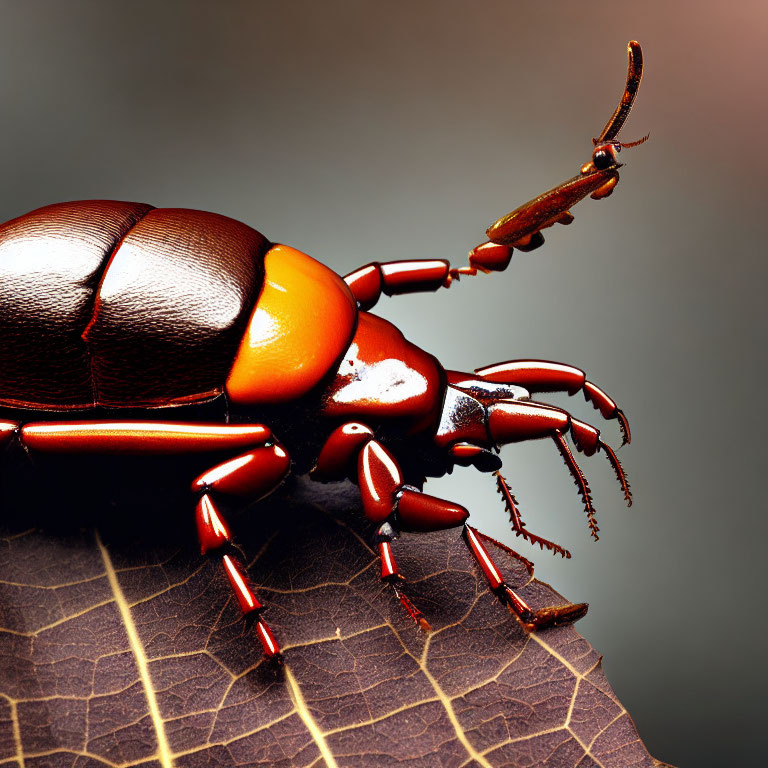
(303, 321)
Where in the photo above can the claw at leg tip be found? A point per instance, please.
(557, 615)
(626, 434)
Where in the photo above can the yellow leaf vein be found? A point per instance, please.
(164, 752)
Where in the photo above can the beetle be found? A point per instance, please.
(120, 308)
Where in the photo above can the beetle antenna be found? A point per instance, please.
(619, 117)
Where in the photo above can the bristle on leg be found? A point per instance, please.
(581, 482)
(518, 526)
(626, 435)
(621, 475)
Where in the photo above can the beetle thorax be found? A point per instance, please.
(384, 379)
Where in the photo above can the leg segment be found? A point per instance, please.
(421, 275)
(140, 438)
(518, 526)
(391, 574)
(545, 376)
(251, 475)
(214, 535)
(396, 277)
(7, 430)
(514, 421)
(530, 619)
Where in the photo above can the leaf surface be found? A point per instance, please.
(120, 646)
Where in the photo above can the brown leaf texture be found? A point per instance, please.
(120, 646)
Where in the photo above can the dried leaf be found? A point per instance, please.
(120, 646)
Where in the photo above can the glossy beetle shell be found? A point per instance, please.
(124, 305)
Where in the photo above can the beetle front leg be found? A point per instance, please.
(417, 511)
(530, 619)
(512, 421)
(546, 376)
(518, 526)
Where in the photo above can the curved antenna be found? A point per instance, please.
(634, 75)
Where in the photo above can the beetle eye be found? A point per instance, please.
(604, 156)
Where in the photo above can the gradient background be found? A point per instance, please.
(364, 131)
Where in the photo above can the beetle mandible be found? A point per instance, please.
(115, 305)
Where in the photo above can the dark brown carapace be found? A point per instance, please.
(120, 308)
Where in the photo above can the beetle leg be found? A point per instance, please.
(381, 486)
(387, 500)
(390, 573)
(545, 376)
(139, 438)
(251, 475)
(214, 536)
(530, 619)
(518, 526)
(336, 457)
(511, 421)
(392, 504)
(395, 277)
(7, 430)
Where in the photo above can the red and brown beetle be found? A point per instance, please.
(121, 306)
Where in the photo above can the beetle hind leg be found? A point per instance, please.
(216, 539)
(253, 474)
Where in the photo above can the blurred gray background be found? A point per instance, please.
(362, 131)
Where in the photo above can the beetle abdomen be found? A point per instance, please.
(120, 304)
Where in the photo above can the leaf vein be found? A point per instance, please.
(164, 752)
(306, 716)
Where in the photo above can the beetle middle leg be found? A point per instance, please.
(395, 506)
(250, 475)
